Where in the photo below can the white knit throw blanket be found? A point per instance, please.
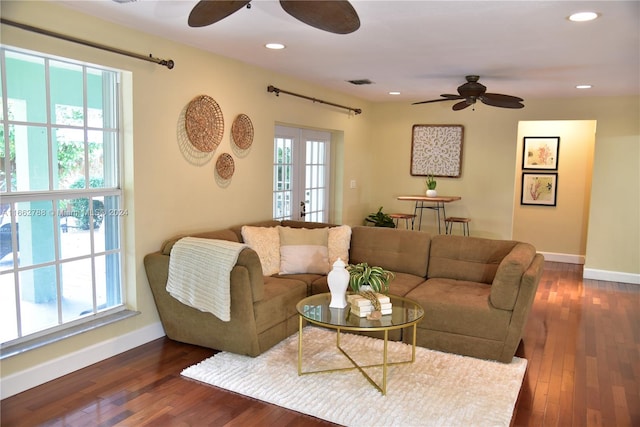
(200, 274)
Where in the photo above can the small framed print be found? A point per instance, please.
(540, 152)
(539, 189)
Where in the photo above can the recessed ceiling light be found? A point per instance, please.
(584, 87)
(274, 46)
(583, 16)
(394, 93)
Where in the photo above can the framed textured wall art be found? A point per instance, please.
(540, 152)
(539, 189)
(437, 150)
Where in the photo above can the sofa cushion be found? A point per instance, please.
(506, 284)
(266, 242)
(403, 251)
(467, 258)
(303, 250)
(281, 294)
(237, 229)
(460, 307)
(339, 243)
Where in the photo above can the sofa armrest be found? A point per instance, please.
(248, 259)
(506, 283)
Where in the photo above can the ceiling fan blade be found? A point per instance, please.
(207, 12)
(337, 16)
(500, 102)
(450, 96)
(460, 105)
(501, 97)
(447, 98)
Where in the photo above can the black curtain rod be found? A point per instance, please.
(165, 62)
(277, 91)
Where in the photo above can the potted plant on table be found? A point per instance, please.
(431, 186)
(369, 281)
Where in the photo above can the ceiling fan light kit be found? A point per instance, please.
(471, 91)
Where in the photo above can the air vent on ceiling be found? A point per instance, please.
(360, 82)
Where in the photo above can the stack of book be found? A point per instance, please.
(361, 306)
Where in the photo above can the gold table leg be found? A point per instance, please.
(385, 362)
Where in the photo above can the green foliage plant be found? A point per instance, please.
(431, 182)
(377, 278)
(380, 219)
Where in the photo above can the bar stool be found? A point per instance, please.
(448, 224)
(398, 216)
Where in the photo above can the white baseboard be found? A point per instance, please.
(37, 375)
(611, 276)
(566, 258)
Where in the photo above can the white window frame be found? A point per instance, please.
(116, 214)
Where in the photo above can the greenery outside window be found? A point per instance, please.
(61, 197)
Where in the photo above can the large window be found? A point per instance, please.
(60, 208)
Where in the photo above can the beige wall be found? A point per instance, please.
(166, 195)
(560, 229)
(490, 155)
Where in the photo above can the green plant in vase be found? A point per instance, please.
(368, 280)
(431, 186)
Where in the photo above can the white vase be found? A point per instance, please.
(338, 280)
(432, 193)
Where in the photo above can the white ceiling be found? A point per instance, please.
(420, 48)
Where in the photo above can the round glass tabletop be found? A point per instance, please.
(315, 309)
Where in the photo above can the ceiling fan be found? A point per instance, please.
(472, 90)
(334, 16)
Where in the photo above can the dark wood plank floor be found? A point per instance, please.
(582, 342)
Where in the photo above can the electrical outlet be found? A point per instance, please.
(352, 184)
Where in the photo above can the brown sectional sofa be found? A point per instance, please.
(476, 292)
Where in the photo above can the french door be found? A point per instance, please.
(301, 174)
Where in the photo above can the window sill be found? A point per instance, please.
(15, 349)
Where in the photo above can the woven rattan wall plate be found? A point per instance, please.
(225, 166)
(204, 123)
(242, 131)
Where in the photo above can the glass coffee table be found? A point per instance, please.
(315, 310)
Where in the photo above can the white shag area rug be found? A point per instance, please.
(439, 389)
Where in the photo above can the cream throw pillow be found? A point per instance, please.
(339, 243)
(304, 250)
(266, 242)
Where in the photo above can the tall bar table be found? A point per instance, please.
(434, 203)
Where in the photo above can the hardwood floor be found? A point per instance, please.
(582, 342)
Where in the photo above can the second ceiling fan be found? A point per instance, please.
(472, 90)
(334, 16)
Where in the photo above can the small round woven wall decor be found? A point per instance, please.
(204, 123)
(225, 166)
(242, 131)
